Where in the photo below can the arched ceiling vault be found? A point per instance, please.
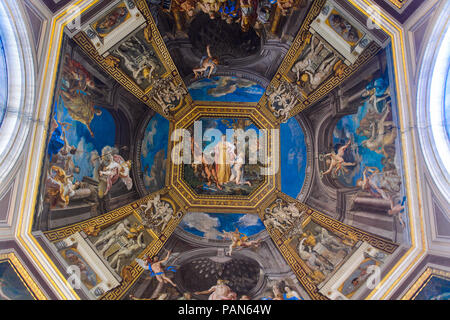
(291, 91)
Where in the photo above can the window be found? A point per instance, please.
(438, 101)
(3, 83)
(433, 99)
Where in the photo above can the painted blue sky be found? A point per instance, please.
(293, 158)
(12, 286)
(156, 139)
(211, 225)
(104, 129)
(226, 89)
(436, 289)
(346, 129)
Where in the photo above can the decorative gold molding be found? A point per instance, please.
(341, 230)
(28, 223)
(399, 3)
(23, 275)
(391, 28)
(106, 220)
(244, 204)
(110, 65)
(423, 280)
(296, 49)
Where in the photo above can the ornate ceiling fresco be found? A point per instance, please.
(225, 150)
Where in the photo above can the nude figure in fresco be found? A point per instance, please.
(219, 292)
(315, 79)
(337, 161)
(240, 241)
(301, 65)
(122, 229)
(204, 169)
(207, 64)
(384, 185)
(238, 172)
(154, 265)
(131, 246)
(397, 210)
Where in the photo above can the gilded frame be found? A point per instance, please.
(194, 201)
(31, 285)
(423, 280)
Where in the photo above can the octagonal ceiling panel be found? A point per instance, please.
(127, 108)
(209, 180)
(219, 177)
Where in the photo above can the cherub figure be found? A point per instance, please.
(207, 64)
(240, 241)
(60, 187)
(337, 161)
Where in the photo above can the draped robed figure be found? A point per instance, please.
(224, 158)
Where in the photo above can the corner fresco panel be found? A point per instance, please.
(84, 167)
(366, 148)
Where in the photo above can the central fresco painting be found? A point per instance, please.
(222, 170)
(114, 203)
